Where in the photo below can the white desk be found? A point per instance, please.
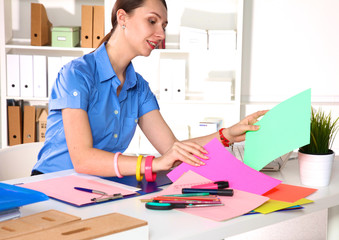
(178, 225)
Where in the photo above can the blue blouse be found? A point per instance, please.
(90, 83)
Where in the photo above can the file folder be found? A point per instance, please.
(39, 76)
(13, 196)
(26, 75)
(14, 125)
(13, 75)
(29, 124)
(40, 26)
(166, 83)
(54, 65)
(66, 59)
(179, 79)
(86, 26)
(98, 25)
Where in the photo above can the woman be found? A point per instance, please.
(98, 99)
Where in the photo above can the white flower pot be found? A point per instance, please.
(315, 170)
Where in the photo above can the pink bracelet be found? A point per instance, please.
(116, 169)
(150, 176)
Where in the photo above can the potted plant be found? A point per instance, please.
(316, 158)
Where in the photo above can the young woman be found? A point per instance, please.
(98, 99)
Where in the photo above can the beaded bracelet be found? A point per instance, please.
(138, 174)
(150, 176)
(115, 162)
(223, 139)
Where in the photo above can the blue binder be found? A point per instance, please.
(12, 196)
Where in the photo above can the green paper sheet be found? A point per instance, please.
(284, 128)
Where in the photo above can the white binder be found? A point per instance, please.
(166, 86)
(26, 75)
(179, 79)
(39, 76)
(13, 75)
(54, 66)
(66, 59)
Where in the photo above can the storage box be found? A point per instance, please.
(222, 40)
(193, 39)
(65, 36)
(218, 90)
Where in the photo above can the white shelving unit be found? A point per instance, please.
(203, 14)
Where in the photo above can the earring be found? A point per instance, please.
(123, 27)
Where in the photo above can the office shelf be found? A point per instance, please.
(15, 39)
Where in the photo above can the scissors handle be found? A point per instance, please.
(164, 206)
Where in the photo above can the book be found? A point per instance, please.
(10, 214)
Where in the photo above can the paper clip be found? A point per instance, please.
(104, 196)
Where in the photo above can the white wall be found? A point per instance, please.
(289, 46)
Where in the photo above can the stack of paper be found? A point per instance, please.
(253, 190)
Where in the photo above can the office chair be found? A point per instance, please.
(17, 161)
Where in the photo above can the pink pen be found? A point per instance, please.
(213, 185)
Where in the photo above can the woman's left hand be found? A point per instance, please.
(236, 133)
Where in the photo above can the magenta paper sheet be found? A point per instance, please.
(222, 165)
(240, 203)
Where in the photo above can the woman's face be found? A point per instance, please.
(145, 27)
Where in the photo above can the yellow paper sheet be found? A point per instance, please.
(273, 205)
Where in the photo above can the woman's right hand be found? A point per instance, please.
(180, 152)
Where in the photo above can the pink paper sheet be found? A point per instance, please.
(222, 165)
(62, 188)
(237, 205)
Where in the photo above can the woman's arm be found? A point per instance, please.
(89, 160)
(85, 158)
(235, 133)
(162, 138)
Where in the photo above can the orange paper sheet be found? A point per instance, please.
(288, 193)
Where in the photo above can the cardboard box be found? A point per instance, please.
(40, 26)
(219, 90)
(65, 36)
(87, 26)
(109, 226)
(15, 228)
(222, 40)
(98, 25)
(29, 124)
(193, 39)
(41, 119)
(14, 125)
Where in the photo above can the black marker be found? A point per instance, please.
(220, 192)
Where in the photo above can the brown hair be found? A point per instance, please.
(128, 6)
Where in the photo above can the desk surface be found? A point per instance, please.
(178, 225)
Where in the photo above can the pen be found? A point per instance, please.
(221, 192)
(169, 206)
(214, 185)
(187, 195)
(90, 190)
(189, 202)
(201, 198)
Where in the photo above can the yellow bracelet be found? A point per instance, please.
(138, 175)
